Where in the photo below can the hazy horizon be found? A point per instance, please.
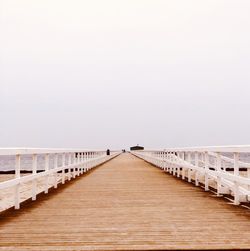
(111, 74)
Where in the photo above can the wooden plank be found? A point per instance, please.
(126, 204)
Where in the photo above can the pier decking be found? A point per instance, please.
(126, 204)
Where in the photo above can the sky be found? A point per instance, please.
(111, 74)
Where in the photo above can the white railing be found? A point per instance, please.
(225, 169)
(47, 167)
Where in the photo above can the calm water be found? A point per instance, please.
(7, 163)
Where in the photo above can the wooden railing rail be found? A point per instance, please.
(225, 169)
(73, 163)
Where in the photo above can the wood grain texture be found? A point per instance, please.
(126, 204)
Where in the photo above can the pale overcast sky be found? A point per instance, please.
(97, 74)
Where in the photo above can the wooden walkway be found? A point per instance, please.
(126, 204)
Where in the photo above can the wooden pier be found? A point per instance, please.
(126, 204)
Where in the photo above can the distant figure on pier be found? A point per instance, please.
(108, 152)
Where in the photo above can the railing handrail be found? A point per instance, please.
(29, 151)
(219, 149)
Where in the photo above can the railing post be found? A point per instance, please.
(46, 170)
(167, 162)
(236, 164)
(248, 176)
(178, 167)
(206, 171)
(163, 160)
(78, 164)
(17, 176)
(63, 168)
(55, 166)
(87, 161)
(197, 172)
(34, 171)
(189, 169)
(82, 163)
(171, 163)
(218, 167)
(174, 164)
(183, 168)
(69, 165)
(159, 159)
(236, 173)
(155, 158)
(74, 165)
(94, 157)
